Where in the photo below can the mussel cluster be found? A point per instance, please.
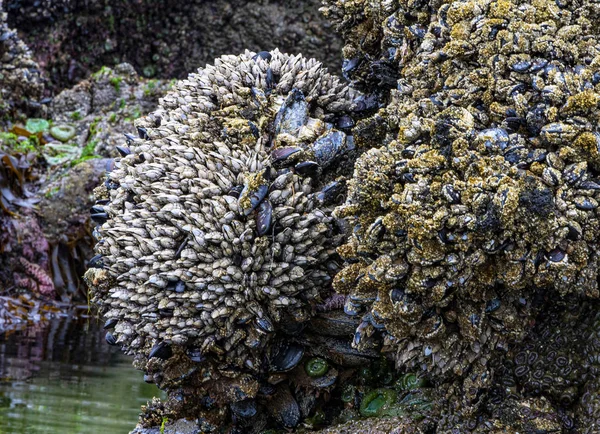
(486, 199)
(379, 37)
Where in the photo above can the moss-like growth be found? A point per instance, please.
(116, 83)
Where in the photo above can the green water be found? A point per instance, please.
(64, 378)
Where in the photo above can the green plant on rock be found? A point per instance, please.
(116, 83)
(35, 126)
(87, 153)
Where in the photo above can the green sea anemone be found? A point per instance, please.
(316, 367)
(62, 132)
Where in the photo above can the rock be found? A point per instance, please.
(21, 82)
(103, 107)
(64, 208)
(165, 38)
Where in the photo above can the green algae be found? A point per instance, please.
(35, 126)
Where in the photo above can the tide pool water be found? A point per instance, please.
(63, 378)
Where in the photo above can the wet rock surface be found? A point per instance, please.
(21, 82)
(165, 39)
(102, 108)
(48, 175)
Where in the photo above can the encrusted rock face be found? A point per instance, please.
(588, 410)
(527, 415)
(393, 425)
(165, 38)
(490, 189)
(212, 226)
(379, 36)
(21, 84)
(559, 356)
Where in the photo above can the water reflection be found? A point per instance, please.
(62, 377)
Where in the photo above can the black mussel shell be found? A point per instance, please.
(264, 325)
(265, 55)
(281, 154)
(110, 323)
(286, 356)
(264, 218)
(556, 255)
(177, 286)
(254, 129)
(123, 151)
(162, 350)
(111, 185)
(143, 133)
(330, 193)
(96, 262)
(345, 122)
(129, 138)
(307, 168)
(327, 148)
(284, 408)
(256, 198)
(235, 191)
(110, 165)
(245, 409)
(98, 214)
(110, 339)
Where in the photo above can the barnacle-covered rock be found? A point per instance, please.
(527, 415)
(393, 425)
(588, 409)
(21, 83)
(559, 356)
(210, 229)
(489, 191)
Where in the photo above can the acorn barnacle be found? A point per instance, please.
(212, 226)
